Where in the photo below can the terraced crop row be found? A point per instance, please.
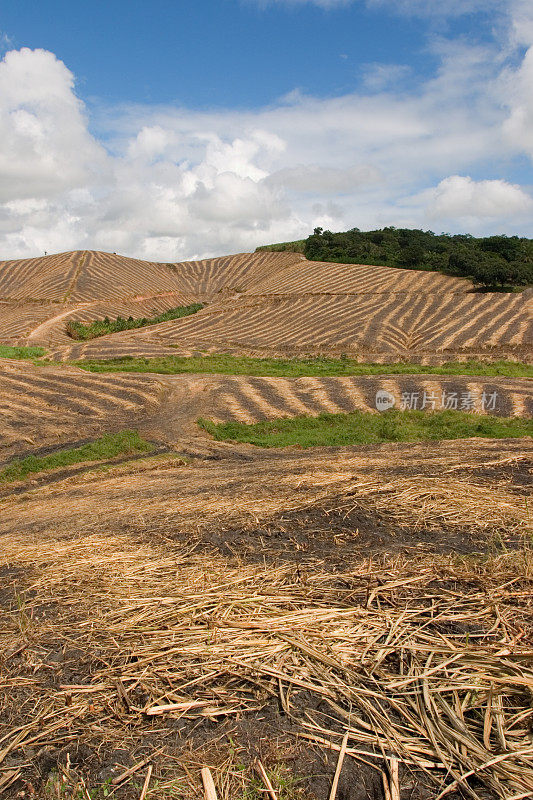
(386, 323)
(106, 276)
(45, 278)
(254, 399)
(18, 320)
(40, 407)
(230, 274)
(320, 277)
(83, 275)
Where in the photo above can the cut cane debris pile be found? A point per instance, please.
(425, 665)
(433, 502)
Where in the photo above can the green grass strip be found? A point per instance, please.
(294, 368)
(6, 351)
(362, 427)
(108, 446)
(101, 327)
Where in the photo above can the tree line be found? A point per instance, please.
(494, 262)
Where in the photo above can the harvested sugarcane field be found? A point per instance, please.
(266, 531)
(266, 400)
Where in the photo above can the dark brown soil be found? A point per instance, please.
(10, 582)
(337, 535)
(516, 476)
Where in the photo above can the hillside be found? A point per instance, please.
(490, 261)
(39, 295)
(85, 276)
(262, 303)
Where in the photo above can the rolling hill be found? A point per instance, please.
(264, 303)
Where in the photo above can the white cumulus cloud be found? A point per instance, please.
(459, 196)
(46, 147)
(519, 98)
(324, 180)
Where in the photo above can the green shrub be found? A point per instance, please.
(84, 331)
(491, 262)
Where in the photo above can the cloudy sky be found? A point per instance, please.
(177, 129)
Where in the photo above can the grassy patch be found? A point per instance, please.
(101, 327)
(108, 446)
(283, 247)
(6, 351)
(361, 427)
(294, 367)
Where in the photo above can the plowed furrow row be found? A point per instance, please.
(53, 332)
(231, 273)
(95, 392)
(43, 278)
(42, 407)
(377, 323)
(317, 276)
(18, 320)
(255, 399)
(77, 399)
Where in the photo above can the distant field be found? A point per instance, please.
(274, 303)
(108, 446)
(294, 368)
(364, 428)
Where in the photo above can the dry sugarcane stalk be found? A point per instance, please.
(437, 700)
(394, 779)
(127, 773)
(146, 783)
(9, 778)
(266, 780)
(386, 785)
(340, 761)
(209, 785)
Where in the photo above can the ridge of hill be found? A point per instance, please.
(87, 275)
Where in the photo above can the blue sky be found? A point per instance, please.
(206, 53)
(172, 130)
